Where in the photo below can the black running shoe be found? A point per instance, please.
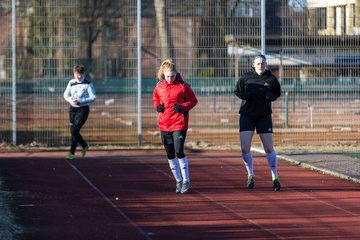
(250, 182)
(276, 184)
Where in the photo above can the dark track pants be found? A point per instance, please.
(174, 143)
(78, 117)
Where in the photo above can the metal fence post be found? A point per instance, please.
(286, 109)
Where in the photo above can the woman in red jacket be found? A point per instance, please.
(173, 99)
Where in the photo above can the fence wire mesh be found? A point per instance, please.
(311, 46)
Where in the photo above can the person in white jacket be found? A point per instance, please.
(79, 93)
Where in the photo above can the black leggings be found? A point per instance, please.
(78, 117)
(174, 143)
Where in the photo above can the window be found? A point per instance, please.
(320, 18)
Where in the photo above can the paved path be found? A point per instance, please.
(337, 164)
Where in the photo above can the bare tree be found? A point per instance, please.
(42, 35)
(44, 26)
(94, 16)
(162, 22)
(210, 41)
(5, 7)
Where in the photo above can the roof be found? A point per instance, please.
(271, 59)
(328, 3)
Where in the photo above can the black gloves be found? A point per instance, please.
(160, 108)
(269, 96)
(177, 108)
(244, 95)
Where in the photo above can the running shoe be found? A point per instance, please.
(70, 156)
(250, 182)
(185, 187)
(276, 184)
(178, 187)
(84, 150)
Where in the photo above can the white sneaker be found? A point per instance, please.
(185, 187)
(178, 187)
(70, 156)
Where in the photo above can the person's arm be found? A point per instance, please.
(90, 97)
(239, 90)
(276, 89)
(156, 99)
(158, 105)
(67, 94)
(190, 98)
(274, 92)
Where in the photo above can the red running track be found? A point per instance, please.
(130, 195)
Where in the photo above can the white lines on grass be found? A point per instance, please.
(117, 209)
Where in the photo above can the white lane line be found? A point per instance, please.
(118, 210)
(25, 205)
(219, 204)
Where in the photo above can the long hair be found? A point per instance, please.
(166, 64)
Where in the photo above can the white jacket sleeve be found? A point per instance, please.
(90, 96)
(67, 94)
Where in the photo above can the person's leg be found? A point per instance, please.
(72, 114)
(247, 127)
(245, 142)
(79, 118)
(168, 142)
(266, 139)
(75, 132)
(179, 141)
(84, 114)
(266, 136)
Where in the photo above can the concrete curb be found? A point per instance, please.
(311, 166)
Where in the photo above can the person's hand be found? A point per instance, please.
(269, 96)
(244, 95)
(75, 100)
(177, 108)
(160, 108)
